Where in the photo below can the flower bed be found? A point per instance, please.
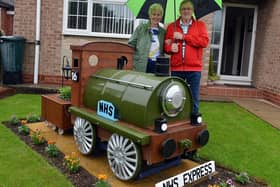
(80, 177)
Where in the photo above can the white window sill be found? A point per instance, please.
(101, 35)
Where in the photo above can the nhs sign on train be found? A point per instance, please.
(106, 110)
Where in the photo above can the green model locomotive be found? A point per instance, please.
(142, 118)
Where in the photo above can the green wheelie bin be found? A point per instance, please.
(11, 56)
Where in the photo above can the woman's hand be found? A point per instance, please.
(178, 36)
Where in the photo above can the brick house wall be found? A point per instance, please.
(51, 37)
(54, 45)
(24, 19)
(266, 60)
(24, 25)
(206, 53)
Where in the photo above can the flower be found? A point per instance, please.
(72, 162)
(51, 142)
(73, 154)
(23, 122)
(102, 177)
(229, 182)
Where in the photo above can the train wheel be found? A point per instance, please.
(124, 157)
(84, 135)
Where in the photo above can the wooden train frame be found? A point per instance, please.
(142, 119)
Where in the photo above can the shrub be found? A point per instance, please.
(51, 149)
(242, 178)
(72, 162)
(14, 120)
(24, 130)
(185, 144)
(32, 118)
(65, 93)
(37, 138)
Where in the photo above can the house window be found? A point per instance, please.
(98, 18)
(77, 14)
(112, 18)
(216, 36)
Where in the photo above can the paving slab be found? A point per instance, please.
(263, 109)
(99, 165)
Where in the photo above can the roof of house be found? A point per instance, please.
(8, 4)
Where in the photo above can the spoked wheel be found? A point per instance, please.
(84, 135)
(124, 157)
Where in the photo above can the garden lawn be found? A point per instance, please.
(241, 141)
(238, 140)
(19, 165)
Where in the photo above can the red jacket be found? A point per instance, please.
(196, 39)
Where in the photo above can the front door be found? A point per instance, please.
(238, 41)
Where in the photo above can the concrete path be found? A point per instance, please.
(99, 165)
(263, 109)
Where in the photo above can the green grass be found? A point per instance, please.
(241, 141)
(19, 165)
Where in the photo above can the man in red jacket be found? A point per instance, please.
(185, 42)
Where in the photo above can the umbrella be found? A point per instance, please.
(171, 8)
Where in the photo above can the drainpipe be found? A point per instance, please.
(37, 42)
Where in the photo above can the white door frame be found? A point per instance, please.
(239, 80)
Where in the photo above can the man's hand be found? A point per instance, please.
(178, 36)
(174, 48)
(168, 42)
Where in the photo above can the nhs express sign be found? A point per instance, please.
(107, 110)
(189, 176)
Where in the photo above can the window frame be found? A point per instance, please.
(215, 46)
(88, 32)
